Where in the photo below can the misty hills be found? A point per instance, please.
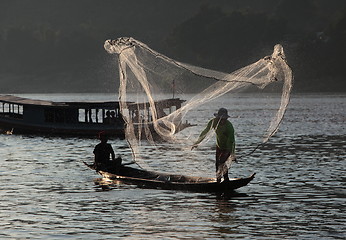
(57, 45)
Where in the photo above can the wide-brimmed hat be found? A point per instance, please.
(222, 113)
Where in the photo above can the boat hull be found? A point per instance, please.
(81, 130)
(147, 179)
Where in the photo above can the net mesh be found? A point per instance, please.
(166, 103)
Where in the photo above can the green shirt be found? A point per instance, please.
(224, 134)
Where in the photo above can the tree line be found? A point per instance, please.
(67, 38)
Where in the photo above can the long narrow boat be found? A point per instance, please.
(30, 116)
(149, 179)
(20, 115)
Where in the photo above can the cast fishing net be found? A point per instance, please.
(166, 104)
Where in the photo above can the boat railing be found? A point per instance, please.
(141, 112)
(11, 110)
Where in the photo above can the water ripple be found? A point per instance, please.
(299, 191)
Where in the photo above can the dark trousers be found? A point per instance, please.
(221, 158)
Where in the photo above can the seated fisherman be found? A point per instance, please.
(103, 151)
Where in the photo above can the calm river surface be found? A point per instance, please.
(46, 192)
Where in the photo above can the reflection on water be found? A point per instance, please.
(298, 192)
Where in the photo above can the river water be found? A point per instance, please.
(46, 192)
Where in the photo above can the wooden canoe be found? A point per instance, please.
(149, 179)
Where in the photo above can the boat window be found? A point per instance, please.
(49, 115)
(172, 109)
(103, 116)
(60, 115)
(11, 110)
(90, 115)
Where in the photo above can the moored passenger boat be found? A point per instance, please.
(28, 116)
(20, 115)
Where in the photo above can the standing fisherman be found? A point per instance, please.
(225, 142)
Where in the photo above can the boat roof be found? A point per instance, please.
(28, 101)
(164, 103)
(25, 101)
